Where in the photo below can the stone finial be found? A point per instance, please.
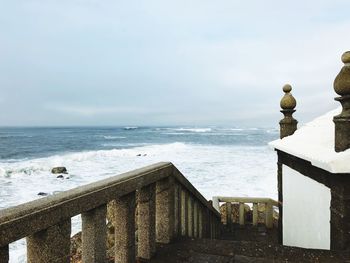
(288, 125)
(342, 121)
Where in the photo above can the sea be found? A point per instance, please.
(225, 161)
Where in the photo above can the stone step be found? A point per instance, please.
(208, 250)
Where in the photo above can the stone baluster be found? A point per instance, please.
(146, 222)
(211, 218)
(165, 227)
(190, 217)
(208, 223)
(288, 125)
(255, 214)
(177, 207)
(268, 215)
(125, 229)
(4, 254)
(184, 214)
(200, 222)
(342, 121)
(50, 245)
(195, 219)
(94, 235)
(241, 214)
(229, 216)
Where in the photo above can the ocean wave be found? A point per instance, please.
(229, 169)
(130, 128)
(199, 130)
(114, 137)
(26, 170)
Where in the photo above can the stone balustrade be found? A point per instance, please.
(169, 207)
(242, 201)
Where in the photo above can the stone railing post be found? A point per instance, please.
(288, 125)
(229, 216)
(50, 245)
(195, 219)
(190, 216)
(342, 121)
(200, 222)
(4, 254)
(268, 215)
(255, 214)
(125, 229)
(207, 222)
(184, 214)
(177, 207)
(165, 212)
(146, 220)
(94, 235)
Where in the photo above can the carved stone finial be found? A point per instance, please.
(288, 102)
(342, 121)
(288, 125)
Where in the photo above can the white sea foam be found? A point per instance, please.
(114, 137)
(131, 128)
(191, 129)
(213, 170)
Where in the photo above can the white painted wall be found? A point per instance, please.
(306, 211)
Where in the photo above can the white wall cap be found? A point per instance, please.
(314, 142)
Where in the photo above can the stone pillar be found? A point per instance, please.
(195, 219)
(50, 245)
(229, 216)
(288, 125)
(177, 207)
(184, 214)
(200, 221)
(165, 210)
(146, 220)
(206, 223)
(4, 254)
(342, 121)
(94, 235)
(125, 229)
(190, 216)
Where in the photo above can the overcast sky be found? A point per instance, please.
(156, 62)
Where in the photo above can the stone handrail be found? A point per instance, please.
(268, 202)
(168, 207)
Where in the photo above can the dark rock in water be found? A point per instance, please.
(139, 154)
(60, 176)
(145, 154)
(59, 170)
(43, 194)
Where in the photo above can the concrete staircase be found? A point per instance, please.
(248, 244)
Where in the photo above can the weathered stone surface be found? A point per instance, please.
(165, 210)
(94, 235)
(125, 229)
(59, 170)
(190, 217)
(76, 245)
(234, 213)
(248, 214)
(50, 245)
(76, 248)
(146, 220)
(183, 212)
